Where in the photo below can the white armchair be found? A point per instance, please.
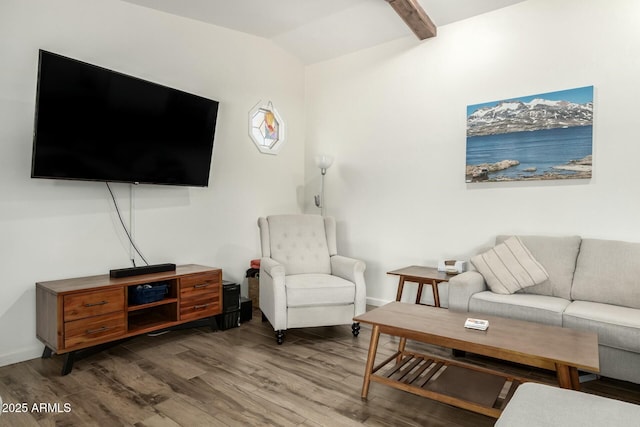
(303, 282)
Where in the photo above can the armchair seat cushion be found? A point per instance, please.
(318, 289)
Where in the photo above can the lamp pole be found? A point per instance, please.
(323, 162)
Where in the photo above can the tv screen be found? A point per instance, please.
(95, 124)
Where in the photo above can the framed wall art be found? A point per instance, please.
(547, 136)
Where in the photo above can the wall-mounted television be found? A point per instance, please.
(95, 124)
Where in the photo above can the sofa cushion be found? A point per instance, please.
(533, 308)
(608, 271)
(617, 327)
(318, 289)
(558, 256)
(509, 267)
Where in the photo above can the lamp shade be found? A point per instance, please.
(323, 161)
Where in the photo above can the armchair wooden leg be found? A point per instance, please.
(264, 318)
(279, 336)
(355, 329)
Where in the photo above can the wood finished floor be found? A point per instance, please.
(237, 377)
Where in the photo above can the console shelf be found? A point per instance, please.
(80, 313)
(137, 307)
(149, 319)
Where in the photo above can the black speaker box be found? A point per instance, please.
(246, 309)
(230, 296)
(228, 320)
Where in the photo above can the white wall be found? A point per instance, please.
(54, 229)
(394, 118)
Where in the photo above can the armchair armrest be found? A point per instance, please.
(352, 270)
(347, 268)
(272, 267)
(462, 287)
(273, 296)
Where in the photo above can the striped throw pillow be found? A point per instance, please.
(509, 267)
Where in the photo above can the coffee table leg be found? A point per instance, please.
(419, 295)
(371, 358)
(568, 377)
(401, 346)
(575, 378)
(400, 287)
(436, 294)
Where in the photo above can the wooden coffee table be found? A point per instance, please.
(474, 388)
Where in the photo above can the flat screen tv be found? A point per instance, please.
(96, 124)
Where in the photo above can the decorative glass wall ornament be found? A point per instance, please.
(266, 128)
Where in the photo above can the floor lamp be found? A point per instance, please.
(323, 162)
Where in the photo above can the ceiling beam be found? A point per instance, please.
(415, 17)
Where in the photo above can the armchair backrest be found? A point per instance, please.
(301, 243)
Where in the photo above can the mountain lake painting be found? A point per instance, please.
(538, 137)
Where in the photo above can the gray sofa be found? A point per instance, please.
(593, 285)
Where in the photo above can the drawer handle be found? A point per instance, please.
(200, 285)
(95, 331)
(198, 307)
(93, 304)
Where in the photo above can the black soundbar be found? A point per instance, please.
(145, 269)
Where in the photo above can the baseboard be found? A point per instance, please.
(376, 302)
(21, 355)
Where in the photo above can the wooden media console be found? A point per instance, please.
(84, 312)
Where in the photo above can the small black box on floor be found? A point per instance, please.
(230, 317)
(228, 320)
(230, 296)
(246, 309)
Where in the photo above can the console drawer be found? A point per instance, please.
(199, 285)
(87, 304)
(94, 329)
(196, 308)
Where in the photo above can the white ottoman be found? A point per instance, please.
(538, 405)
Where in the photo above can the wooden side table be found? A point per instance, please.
(422, 276)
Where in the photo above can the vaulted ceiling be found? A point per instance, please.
(316, 30)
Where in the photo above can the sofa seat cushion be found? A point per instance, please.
(318, 289)
(617, 327)
(533, 308)
(558, 255)
(608, 271)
